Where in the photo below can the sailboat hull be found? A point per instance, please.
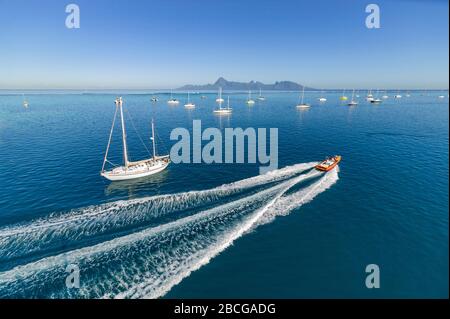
(137, 170)
(222, 111)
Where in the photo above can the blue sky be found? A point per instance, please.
(163, 44)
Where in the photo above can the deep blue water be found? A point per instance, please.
(388, 207)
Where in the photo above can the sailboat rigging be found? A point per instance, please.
(224, 110)
(219, 98)
(189, 104)
(132, 170)
(303, 105)
(249, 99)
(260, 97)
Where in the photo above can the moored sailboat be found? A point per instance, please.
(25, 102)
(219, 98)
(302, 104)
(172, 100)
(249, 100)
(260, 97)
(224, 110)
(322, 98)
(353, 102)
(189, 104)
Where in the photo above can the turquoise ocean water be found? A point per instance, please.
(219, 230)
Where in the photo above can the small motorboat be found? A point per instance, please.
(376, 101)
(329, 163)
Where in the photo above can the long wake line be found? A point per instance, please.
(149, 262)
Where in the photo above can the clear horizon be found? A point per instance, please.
(149, 45)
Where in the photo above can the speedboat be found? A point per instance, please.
(329, 163)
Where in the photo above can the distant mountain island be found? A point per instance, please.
(252, 85)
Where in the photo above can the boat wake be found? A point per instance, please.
(142, 248)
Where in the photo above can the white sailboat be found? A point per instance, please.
(353, 102)
(189, 104)
(25, 102)
(172, 100)
(303, 105)
(132, 170)
(224, 110)
(249, 100)
(369, 97)
(398, 95)
(260, 97)
(322, 99)
(220, 99)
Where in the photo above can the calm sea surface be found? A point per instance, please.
(293, 234)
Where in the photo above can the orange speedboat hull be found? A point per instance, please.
(329, 163)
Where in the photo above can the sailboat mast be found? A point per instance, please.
(110, 136)
(153, 139)
(124, 134)
(303, 94)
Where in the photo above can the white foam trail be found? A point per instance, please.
(214, 250)
(23, 239)
(148, 263)
(290, 202)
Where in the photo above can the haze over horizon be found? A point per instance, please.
(161, 45)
